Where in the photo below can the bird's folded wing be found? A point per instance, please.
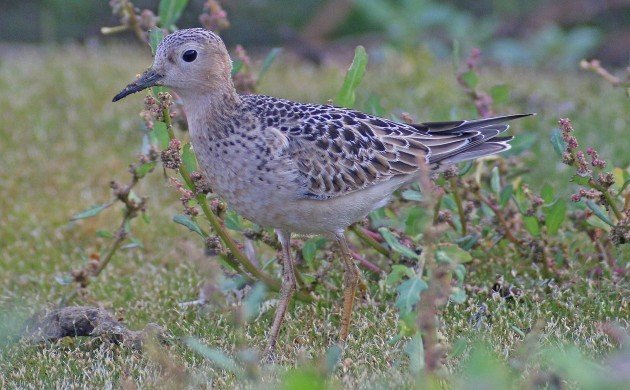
(336, 151)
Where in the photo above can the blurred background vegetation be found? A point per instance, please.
(550, 34)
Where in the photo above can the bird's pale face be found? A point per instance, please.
(189, 66)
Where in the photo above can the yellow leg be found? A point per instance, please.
(286, 290)
(351, 279)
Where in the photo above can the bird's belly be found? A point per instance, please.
(271, 200)
(326, 216)
(252, 192)
(276, 205)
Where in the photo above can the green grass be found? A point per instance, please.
(62, 141)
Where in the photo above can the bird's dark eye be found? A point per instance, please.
(189, 55)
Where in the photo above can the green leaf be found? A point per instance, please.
(620, 183)
(159, 135)
(170, 11)
(459, 347)
(304, 378)
(189, 223)
(471, 79)
(465, 168)
(412, 195)
(133, 244)
(145, 168)
(310, 248)
(91, 212)
(395, 245)
(268, 61)
(558, 143)
(500, 94)
(456, 55)
(378, 217)
(460, 272)
(484, 370)
(333, 357)
(217, 357)
(373, 106)
(458, 295)
(397, 273)
(518, 330)
(450, 253)
(598, 223)
(233, 221)
(416, 221)
(64, 280)
(346, 96)
(554, 215)
(236, 66)
(104, 234)
(599, 213)
(188, 158)
(495, 181)
(415, 351)
(133, 197)
(158, 89)
(409, 294)
(581, 180)
(505, 195)
(251, 305)
(156, 35)
(521, 143)
(547, 193)
(449, 202)
(531, 225)
(467, 242)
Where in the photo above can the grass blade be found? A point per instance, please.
(218, 358)
(268, 61)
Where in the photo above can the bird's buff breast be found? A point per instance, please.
(236, 171)
(273, 201)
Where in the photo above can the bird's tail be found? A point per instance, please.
(460, 141)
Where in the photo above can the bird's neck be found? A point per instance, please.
(209, 111)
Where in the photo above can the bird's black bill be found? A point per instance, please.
(148, 79)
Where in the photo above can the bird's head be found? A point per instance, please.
(192, 61)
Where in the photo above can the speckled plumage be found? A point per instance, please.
(303, 156)
(302, 168)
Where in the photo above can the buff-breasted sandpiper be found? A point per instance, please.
(302, 168)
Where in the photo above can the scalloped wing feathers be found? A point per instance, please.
(335, 151)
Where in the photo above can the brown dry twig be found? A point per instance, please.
(438, 279)
(482, 100)
(595, 66)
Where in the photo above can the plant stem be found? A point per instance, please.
(366, 263)
(608, 198)
(507, 232)
(458, 202)
(120, 237)
(436, 209)
(369, 240)
(133, 22)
